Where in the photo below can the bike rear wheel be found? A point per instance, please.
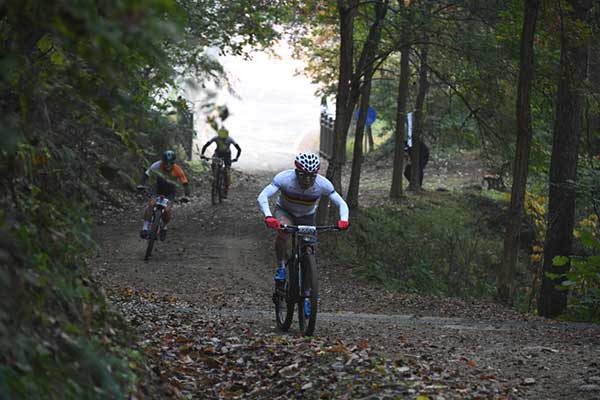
(153, 234)
(284, 300)
(309, 295)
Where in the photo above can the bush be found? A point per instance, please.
(446, 248)
(58, 337)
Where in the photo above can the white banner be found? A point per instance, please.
(409, 122)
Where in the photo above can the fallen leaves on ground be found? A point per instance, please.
(198, 355)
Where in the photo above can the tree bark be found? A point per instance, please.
(419, 117)
(349, 84)
(396, 191)
(347, 12)
(369, 54)
(505, 271)
(563, 164)
(371, 142)
(357, 157)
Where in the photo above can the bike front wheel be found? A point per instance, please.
(221, 184)
(153, 234)
(309, 295)
(214, 195)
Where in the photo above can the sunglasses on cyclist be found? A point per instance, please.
(305, 175)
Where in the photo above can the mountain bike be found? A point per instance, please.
(301, 287)
(218, 179)
(157, 222)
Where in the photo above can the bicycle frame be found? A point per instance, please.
(160, 205)
(302, 285)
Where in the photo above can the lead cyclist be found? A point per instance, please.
(301, 188)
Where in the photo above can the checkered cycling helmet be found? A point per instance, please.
(308, 162)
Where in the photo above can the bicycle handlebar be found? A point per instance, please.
(309, 228)
(148, 191)
(216, 158)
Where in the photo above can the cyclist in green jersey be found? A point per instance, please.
(223, 142)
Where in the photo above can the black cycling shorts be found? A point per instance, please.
(226, 156)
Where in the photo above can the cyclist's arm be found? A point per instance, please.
(206, 146)
(263, 199)
(180, 175)
(239, 150)
(144, 179)
(341, 205)
(146, 175)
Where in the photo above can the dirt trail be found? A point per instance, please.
(219, 260)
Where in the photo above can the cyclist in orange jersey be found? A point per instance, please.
(167, 173)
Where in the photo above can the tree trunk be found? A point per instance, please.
(367, 60)
(349, 84)
(505, 272)
(396, 191)
(357, 157)
(415, 173)
(347, 13)
(592, 142)
(370, 140)
(563, 164)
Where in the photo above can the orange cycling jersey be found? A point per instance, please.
(165, 179)
(176, 172)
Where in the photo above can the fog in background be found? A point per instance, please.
(274, 113)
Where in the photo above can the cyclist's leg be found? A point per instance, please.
(168, 214)
(148, 209)
(147, 217)
(227, 159)
(282, 242)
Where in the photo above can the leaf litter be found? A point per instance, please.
(195, 355)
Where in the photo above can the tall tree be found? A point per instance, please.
(349, 84)
(357, 155)
(347, 12)
(370, 51)
(574, 40)
(396, 191)
(505, 272)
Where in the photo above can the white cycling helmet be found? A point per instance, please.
(308, 162)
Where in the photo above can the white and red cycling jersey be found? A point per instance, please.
(297, 201)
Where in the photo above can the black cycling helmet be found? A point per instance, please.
(223, 112)
(169, 156)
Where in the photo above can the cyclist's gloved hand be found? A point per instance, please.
(272, 223)
(343, 225)
(234, 160)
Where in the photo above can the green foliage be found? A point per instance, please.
(57, 331)
(582, 280)
(440, 247)
(83, 106)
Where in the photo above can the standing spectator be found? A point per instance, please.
(423, 159)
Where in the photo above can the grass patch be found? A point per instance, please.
(443, 244)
